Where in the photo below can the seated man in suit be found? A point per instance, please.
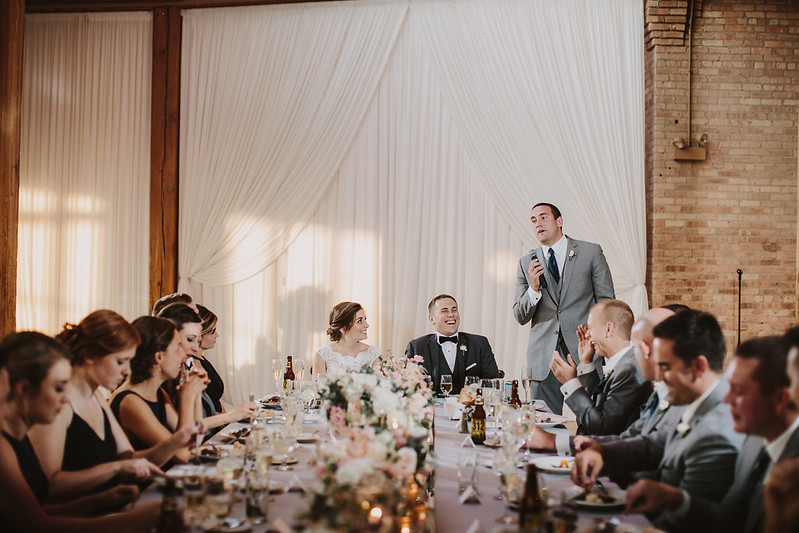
(697, 454)
(605, 401)
(652, 412)
(448, 351)
(762, 409)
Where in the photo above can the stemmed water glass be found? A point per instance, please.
(527, 379)
(446, 384)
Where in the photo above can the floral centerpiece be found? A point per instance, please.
(379, 420)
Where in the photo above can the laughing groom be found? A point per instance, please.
(448, 351)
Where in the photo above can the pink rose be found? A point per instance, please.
(337, 417)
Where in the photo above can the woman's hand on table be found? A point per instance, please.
(119, 496)
(648, 495)
(245, 411)
(138, 470)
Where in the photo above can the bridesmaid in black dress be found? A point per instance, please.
(36, 370)
(85, 449)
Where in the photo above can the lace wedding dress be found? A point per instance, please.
(347, 363)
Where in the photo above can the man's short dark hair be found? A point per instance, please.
(555, 210)
(771, 353)
(437, 298)
(676, 308)
(694, 333)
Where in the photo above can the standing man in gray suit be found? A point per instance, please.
(556, 285)
(762, 408)
(699, 452)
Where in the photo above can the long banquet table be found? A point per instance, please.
(451, 516)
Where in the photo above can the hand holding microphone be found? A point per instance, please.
(536, 275)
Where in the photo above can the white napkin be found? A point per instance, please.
(295, 485)
(475, 527)
(467, 442)
(470, 495)
(281, 526)
(453, 408)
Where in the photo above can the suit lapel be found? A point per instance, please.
(459, 372)
(675, 447)
(569, 267)
(756, 514)
(437, 360)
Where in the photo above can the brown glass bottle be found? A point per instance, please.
(514, 395)
(288, 376)
(531, 507)
(479, 420)
(171, 520)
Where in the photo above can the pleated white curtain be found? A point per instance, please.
(431, 190)
(85, 167)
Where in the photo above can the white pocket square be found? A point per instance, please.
(471, 366)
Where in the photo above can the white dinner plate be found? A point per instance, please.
(548, 420)
(306, 438)
(619, 501)
(235, 432)
(554, 465)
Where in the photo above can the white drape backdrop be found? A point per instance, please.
(387, 151)
(85, 167)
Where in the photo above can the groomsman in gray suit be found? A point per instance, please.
(556, 285)
(607, 400)
(762, 408)
(653, 411)
(699, 452)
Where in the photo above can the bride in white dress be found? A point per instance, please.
(347, 352)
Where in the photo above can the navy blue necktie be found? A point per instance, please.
(552, 265)
(648, 410)
(755, 476)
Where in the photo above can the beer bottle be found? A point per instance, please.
(288, 376)
(514, 395)
(531, 508)
(479, 419)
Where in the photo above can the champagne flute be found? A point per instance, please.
(299, 370)
(277, 373)
(446, 384)
(527, 379)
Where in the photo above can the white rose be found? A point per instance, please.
(406, 462)
(350, 472)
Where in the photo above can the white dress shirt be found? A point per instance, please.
(561, 248)
(450, 350)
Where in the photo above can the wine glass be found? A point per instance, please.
(527, 379)
(299, 370)
(446, 384)
(277, 373)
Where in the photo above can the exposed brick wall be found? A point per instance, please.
(738, 208)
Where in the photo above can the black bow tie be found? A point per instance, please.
(442, 339)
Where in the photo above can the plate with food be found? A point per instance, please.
(235, 433)
(213, 452)
(270, 402)
(554, 465)
(307, 438)
(601, 499)
(548, 420)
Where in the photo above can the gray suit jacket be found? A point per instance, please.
(586, 280)
(739, 512)
(610, 407)
(702, 462)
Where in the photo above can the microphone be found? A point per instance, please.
(541, 278)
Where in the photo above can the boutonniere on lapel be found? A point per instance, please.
(462, 347)
(664, 404)
(682, 429)
(572, 254)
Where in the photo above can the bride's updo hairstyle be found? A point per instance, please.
(342, 317)
(101, 333)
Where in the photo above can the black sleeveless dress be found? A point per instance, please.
(158, 408)
(30, 466)
(83, 449)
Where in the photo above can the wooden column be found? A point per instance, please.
(164, 153)
(12, 19)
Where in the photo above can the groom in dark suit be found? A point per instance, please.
(556, 285)
(448, 351)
